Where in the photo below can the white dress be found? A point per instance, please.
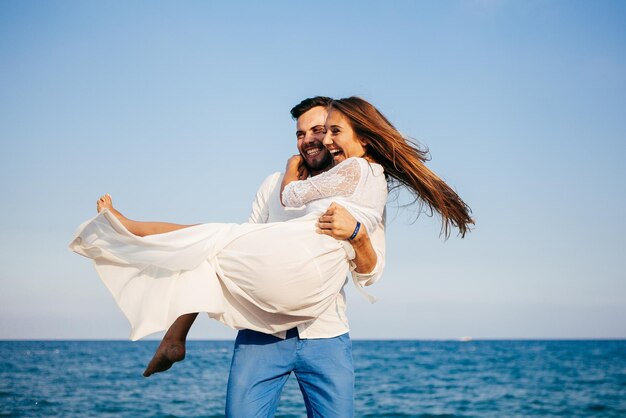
(265, 277)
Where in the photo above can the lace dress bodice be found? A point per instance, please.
(356, 184)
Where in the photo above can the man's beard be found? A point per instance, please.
(321, 165)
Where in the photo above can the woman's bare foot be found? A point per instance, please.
(105, 202)
(168, 353)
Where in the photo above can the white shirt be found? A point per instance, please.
(334, 321)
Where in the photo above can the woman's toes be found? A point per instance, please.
(104, 202)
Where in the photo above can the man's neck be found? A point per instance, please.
(316, 172)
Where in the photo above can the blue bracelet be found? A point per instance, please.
(356, 231)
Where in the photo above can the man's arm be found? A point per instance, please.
(365, 258)
(377, 240)
(340, 224)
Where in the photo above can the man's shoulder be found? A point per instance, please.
(269, 194)
(271, 181)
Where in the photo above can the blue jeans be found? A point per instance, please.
(262, 363)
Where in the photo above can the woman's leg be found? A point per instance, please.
(172, 346)
(136, 227)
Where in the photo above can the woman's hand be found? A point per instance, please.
(293, 163)
(338, 223)
(296, 168)
(294, 171)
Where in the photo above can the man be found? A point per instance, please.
(318, 352)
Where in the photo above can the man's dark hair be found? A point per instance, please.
(308, 104)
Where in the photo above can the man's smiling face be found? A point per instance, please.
(310, 133)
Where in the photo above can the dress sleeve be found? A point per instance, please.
(341, 180)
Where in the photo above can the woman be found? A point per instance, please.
(268, 277)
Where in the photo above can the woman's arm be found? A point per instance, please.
(341, 180)
(294, 171)
(137, 227)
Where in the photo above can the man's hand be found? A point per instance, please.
(338, 223)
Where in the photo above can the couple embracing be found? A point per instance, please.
(279, 278)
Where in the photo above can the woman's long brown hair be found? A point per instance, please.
(403, 161)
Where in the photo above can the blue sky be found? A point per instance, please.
(180, 109)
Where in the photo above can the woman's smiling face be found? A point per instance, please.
(340, 139)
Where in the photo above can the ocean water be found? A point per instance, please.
(393, 379)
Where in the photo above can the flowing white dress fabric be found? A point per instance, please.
(265, 277)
